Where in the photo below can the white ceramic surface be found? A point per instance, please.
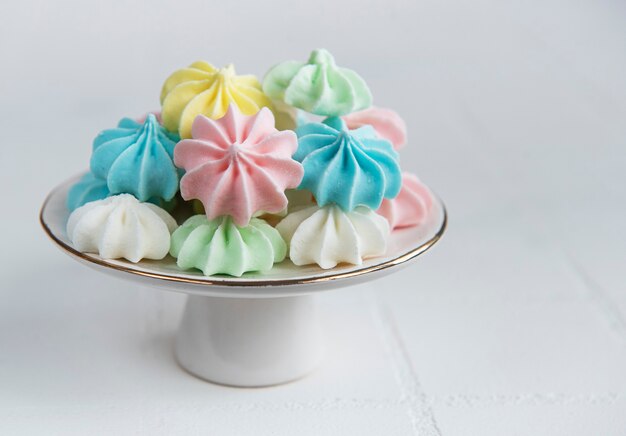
(257, 330)
(284, 279)
(249, 341)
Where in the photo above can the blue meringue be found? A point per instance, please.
(347, 167)
(88, 188)
(137, 158)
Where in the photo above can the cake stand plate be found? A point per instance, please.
(259, 329)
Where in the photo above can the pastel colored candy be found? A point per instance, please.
(220, 247)
(202, 89)
(121, 227)
(410, 207)
(347, 167)
(386, 122)
(318, 86)
(328, 236)
(88, 188)
(238, 165)
(136, 158)
(91, 188)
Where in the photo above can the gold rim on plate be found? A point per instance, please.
(242, 283)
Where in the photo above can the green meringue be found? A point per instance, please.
(219, 246)
(318, 86)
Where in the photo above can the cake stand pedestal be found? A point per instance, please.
(257, 330)
(249, 341)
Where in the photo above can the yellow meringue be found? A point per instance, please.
(202, 89)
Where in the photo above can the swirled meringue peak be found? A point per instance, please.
(157, 114)
(347, 167)
(88, 188)
(410, 207)
(318, 86)
(386, 122)
(121, 226)
(238, 165)
(328, 236)
(136, 158)
(202, 89)
(220, 247)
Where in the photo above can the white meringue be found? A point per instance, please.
(121, 226)
(328, 236)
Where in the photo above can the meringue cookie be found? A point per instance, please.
(347, 167)
(410, 207)
(238, 165)
(88, 188)
(202, 89)
(386, 122)
(121, 226)
(328, 236)
(318, 86)
(220, 247)
(136, 159)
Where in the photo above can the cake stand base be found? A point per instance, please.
(249, 342)
(260, 329)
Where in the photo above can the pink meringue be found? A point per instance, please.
(386, 122)
(238, 165)
(410, 207)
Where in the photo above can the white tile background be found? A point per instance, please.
(514, 325)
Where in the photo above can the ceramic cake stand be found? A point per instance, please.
(254, 330)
